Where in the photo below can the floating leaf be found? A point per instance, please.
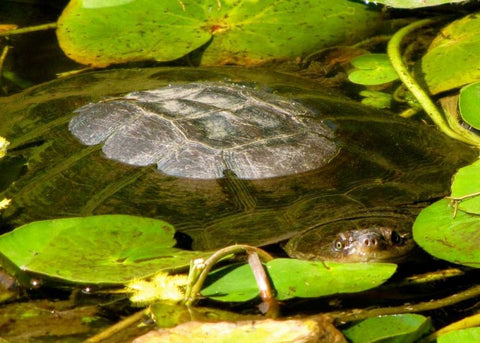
(394, 328)
(297, 278)
(452, 238)
(110, 249)
(466, 184)
(452, 58)
(372, 69)
(465, 335)
(469, 103)
(242, 32)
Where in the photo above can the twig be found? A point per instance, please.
(117, 327)
(29, 29)
(360, 314)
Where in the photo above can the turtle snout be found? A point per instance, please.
(370, 242)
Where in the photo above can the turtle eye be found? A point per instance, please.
(338, 244)
(395, 238)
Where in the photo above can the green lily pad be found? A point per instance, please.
(459, 336)
(297, 278)
(452, 238)
(372, 69)
(110, 249)
(241, 32)
(452, 58)
(415, 3)
(466, 185)
(393, 328)
(469, 104)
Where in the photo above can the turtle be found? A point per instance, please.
(228, 156)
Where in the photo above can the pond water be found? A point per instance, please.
(257, 157)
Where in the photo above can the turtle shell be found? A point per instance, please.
(198, 130)
(260, 158)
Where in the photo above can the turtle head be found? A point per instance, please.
(372, 239)
(373, 244)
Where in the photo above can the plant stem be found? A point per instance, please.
(359, 314)
(117, 327)
(270, 304)
(216, 257)
(29, 29)
(394, 53)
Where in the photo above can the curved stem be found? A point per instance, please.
(394, 53)
(269, 305)
(212, 260)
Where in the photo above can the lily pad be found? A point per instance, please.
(469, 103)
(465, 335)
(454, 238)
(372, 69)
(297, 278)
(452, 58)
(110, 249)
(466, 186)
(241, 32)
(394, 328)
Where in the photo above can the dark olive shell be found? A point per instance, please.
(372, 162)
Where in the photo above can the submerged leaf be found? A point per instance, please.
(297, 278)
(449, 236)
(169, 314)
(42, 319)
(372, 69)
(376, 99)
(110, 249)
